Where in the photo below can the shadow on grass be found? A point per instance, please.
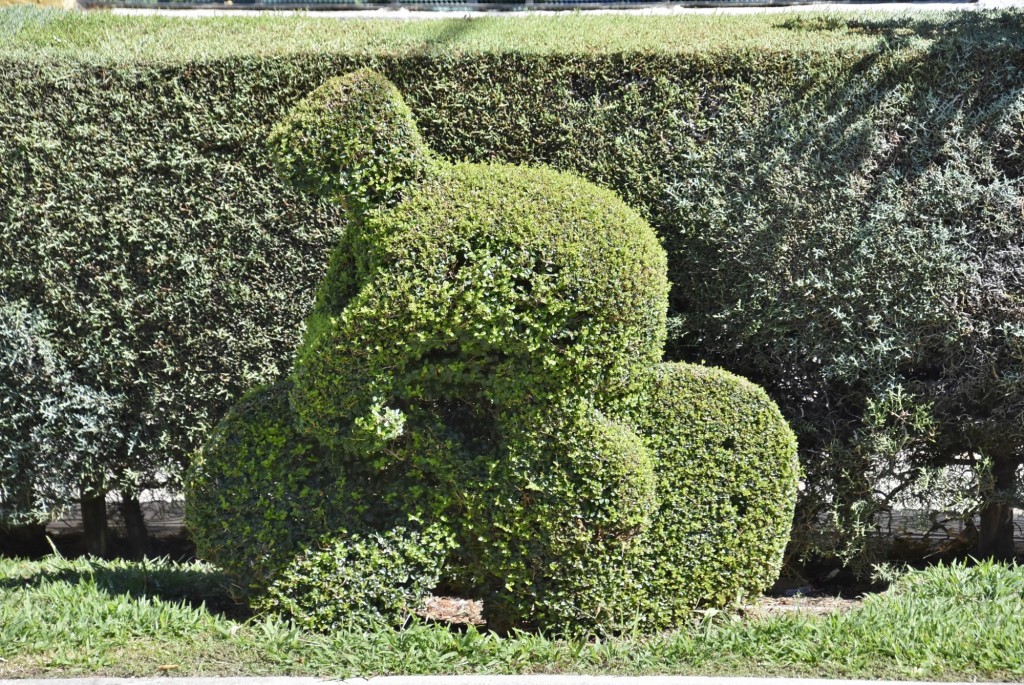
(195, 587)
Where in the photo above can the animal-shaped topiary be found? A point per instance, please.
(479, 390)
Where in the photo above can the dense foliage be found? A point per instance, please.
(817, 181)
(860, 254)
(51, 427)
(259, 490)
(479, 371)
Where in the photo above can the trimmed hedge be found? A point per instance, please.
(198, 264)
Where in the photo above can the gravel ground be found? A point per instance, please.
(456, 611)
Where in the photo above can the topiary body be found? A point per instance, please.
(482, 362)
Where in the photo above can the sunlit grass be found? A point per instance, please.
(118, 618)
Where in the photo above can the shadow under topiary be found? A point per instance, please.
(481, 373)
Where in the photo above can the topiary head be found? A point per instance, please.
(353, 139)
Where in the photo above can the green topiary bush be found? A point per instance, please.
(360, 581)
(722, 449)
(537, 282)
(482, 362)
(258, 491)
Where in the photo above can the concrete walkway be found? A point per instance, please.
(461, 680)
(667, 10)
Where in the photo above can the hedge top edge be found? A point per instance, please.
(31, 33)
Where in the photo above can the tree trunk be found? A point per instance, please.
(94, 523)
(135, 526)
(995, 539)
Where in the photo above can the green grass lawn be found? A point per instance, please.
(102, 37)
(114, 618)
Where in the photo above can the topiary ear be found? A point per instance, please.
(353, 139)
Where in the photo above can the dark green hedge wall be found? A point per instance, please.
(140, 215)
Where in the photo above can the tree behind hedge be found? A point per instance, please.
(860, 253)
(51, 427)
